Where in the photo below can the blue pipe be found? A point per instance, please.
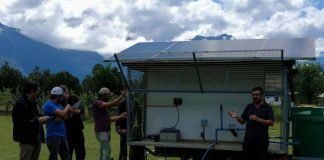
(221, 115)
(222, 127)
(289, 143)
(225, 129)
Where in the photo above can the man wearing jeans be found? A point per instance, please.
(55, 127)
(102, 120)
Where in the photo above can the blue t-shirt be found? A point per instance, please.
(54, 127)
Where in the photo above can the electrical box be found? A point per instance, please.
(169, 135)
(177, 101)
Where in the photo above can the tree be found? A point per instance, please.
(47, 80)
(309, 82)
(42, 77)
(68, 79)
(10, 78)
(103, 76)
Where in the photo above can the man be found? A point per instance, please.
(55, 127)
(27, 123)
(74, 126)
(102, 119)
(121, 129)
(259, 116)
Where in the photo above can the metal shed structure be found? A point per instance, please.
(185, 87)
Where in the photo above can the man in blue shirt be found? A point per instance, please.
(55, 128)
(259, 116)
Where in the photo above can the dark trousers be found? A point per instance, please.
(29, 152)
(255, 149)
(123, 146)
(76, 143)
(57, 145)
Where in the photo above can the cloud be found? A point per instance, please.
(111, 26)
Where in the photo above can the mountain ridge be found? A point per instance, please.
(25, 53)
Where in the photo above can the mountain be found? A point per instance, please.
(320, 59)
(25, 53)
(220, 37)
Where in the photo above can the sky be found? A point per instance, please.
(110, 26)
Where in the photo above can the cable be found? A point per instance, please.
(209, 147)
(178, 119)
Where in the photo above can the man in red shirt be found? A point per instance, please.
(102, 119)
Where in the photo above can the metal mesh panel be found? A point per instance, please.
(215, 77)
(163, 77)
(241, 76)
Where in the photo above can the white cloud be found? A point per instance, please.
(111, 26)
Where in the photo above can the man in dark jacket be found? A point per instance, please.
(27, 128)
(74, 126)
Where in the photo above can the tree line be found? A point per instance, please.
(308, 82)
(101, 75)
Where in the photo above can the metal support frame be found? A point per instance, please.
(197, 71)
(128, 99)
(285, 107)
(285, 90)
(121, 70)
(227, 51)
(195, 91)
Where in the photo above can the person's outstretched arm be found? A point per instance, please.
(234, 115)
(115, 102)
(116, 118)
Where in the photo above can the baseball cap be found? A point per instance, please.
(105, 90)
(57, 91)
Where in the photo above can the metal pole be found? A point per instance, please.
(128, 99)
(285, 107)
(197, 71)
(121, 71)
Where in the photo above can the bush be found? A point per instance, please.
(7, 100)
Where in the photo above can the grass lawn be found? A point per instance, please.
(10, 149)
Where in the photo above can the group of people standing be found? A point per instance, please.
(62, 115)
(64, 126)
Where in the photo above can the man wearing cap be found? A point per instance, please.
(102, 119)
(55, 128)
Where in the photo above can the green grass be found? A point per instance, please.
(10, 149)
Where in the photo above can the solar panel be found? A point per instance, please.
(293, 49)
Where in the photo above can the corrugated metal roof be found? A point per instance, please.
(293, 49)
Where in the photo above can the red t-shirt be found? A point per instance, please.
(101, 117)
